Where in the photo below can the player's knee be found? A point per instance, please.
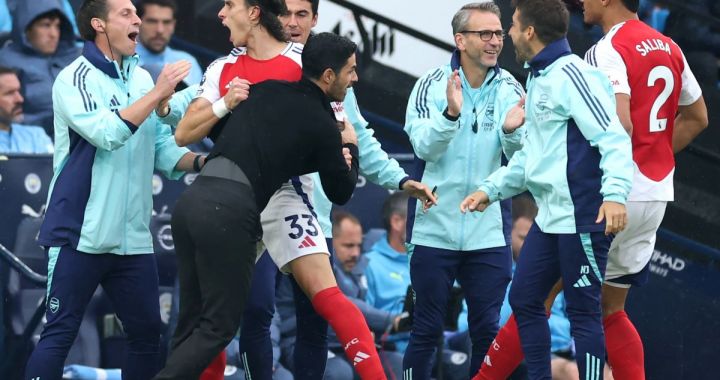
(522, 304)
(427, 333)
(609, 308)
(256, 320)
(313, 331)
(611, 302)
(264, 307)
(144, 328)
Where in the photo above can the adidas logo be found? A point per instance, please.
(359, 357)
(487, 361)
(582, 282)
(307, 243)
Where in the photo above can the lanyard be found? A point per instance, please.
(473, 98)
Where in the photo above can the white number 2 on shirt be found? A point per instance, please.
(664, 73)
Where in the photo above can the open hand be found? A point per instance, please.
(170, 76)
(454, 94)
(515, 118)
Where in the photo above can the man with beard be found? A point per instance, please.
(15, 137)
(216, 223)
(156, 30)
(577, 164)
(312, 341)
(654, 142)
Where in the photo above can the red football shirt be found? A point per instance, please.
(285, 66)
(651, 68)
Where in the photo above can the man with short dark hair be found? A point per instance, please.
(312, 344)
(109, 140)
(350, 267)
(247, 165)
(15, 137)
(157, 28)
(42, 44)
(629, 70)
(347, 237)
(577, 164)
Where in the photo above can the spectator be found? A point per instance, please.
(156, 30)
(387, 272)
(349, 267)
(14, 137)
(699, 40)
(42, 45)
(9, 6)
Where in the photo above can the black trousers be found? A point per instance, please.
(216, 226)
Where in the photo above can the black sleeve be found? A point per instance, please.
(337, 180)
(218, 128)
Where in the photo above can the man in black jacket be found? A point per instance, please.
(282, 130)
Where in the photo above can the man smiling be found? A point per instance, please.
(463, 120)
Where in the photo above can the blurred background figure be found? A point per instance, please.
(42, 43)
(16, 137)
(157, 28)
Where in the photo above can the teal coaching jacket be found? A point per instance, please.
(577, 153)
(100, 198)
(456, 156)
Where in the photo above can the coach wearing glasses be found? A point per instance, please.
(464, 121)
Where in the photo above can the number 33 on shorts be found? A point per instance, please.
(300, 225)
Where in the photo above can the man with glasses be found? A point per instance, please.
(464, 121)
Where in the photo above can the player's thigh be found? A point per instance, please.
(632, 248)
(290, 230)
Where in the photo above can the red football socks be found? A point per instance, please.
(624, 347)
(216, 369)
(349, 324)
(504, 355)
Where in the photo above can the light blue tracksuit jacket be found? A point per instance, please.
(456, 156)
(577, 153)
(100, 198)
